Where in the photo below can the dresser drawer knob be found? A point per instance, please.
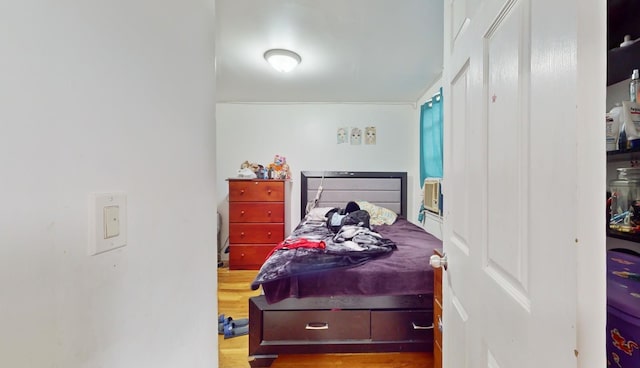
(317, 326)
(269, 213)
(242, 255)
(418, 327)
(241, 191)
(241, 213)
(269, 191)
(269, 234)
(242, 235)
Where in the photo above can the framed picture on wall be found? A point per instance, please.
(342, 135)
(370, 135)
(356, 136)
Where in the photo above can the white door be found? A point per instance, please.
(511, 187)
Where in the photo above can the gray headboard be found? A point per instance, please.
(386, 189)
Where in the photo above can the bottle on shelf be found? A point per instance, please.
(634, 86)
(614, 128)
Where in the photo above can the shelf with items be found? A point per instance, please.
(627, 237)
(624, 155)
(624, 239)
(621, 241)
(623, 214)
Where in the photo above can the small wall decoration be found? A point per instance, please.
(342, 135)
(370, 135)
(356, 136)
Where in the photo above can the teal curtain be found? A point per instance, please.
(431, 138)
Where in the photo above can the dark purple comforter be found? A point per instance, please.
(405, 271)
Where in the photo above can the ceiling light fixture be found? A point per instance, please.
(282, 60)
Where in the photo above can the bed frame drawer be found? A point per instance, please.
(256, 190)
(316, 325)
(402, 326)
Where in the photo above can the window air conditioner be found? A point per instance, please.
(431, 199)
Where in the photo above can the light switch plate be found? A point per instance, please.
(111, 221)
(107, 222)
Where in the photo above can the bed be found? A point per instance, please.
(623, 309)
(382, 305)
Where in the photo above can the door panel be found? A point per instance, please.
(456, 319)
(460, 293)
(507, 72)
(459, 217)
(507, 79)
(459, 19)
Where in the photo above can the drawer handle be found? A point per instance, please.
(269, 234)
(269, 191)
(242, 255)
(241, 191)
(242, 235)
(417, 327)
(268, 213)
(317, 326)
(241, 213)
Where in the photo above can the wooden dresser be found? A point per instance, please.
(437, 314)
(258, 220)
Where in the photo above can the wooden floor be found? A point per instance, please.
(233, 295)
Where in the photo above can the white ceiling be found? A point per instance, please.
(352, 50)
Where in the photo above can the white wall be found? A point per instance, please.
(100, 96)
(306, 135)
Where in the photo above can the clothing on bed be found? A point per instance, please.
(404, 271)
(298, 243)
(351, 246)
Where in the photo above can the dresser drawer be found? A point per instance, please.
(402, 325)
(316, 325)
(248, 256)
(256, 191)
(256, 212)
(255, 233)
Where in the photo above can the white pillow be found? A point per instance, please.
(379, 215)
(318, 214)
